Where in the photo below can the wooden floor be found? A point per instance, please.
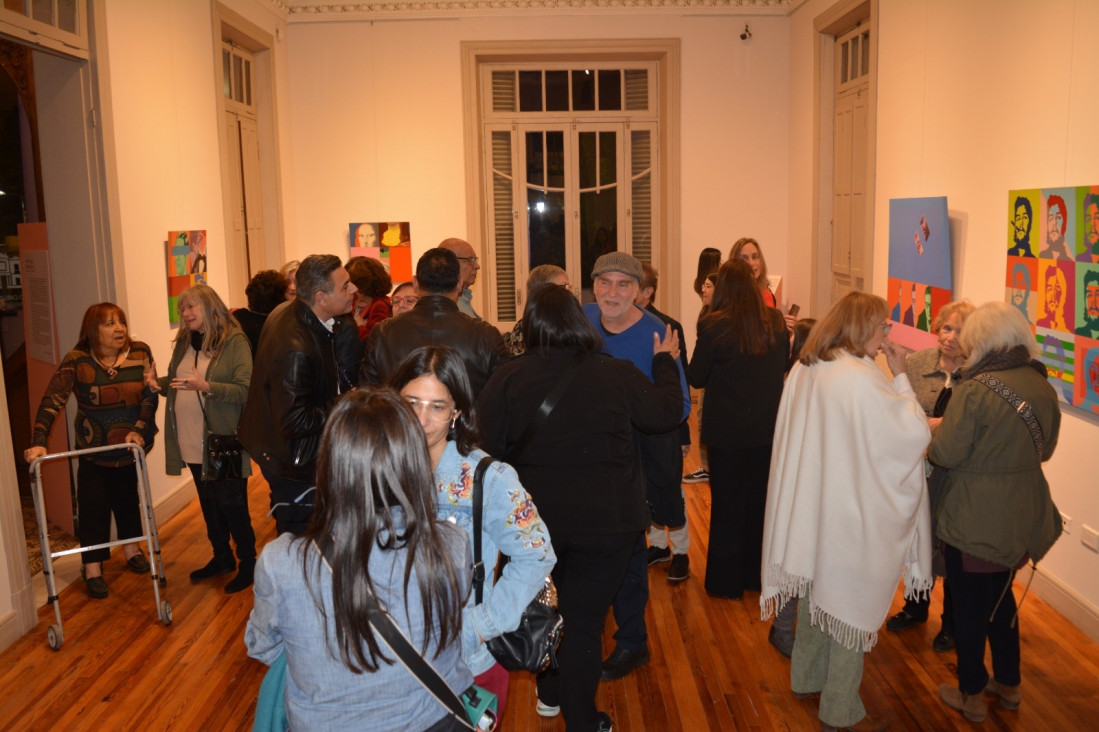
(120, 668)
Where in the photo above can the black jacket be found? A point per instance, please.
(582, 467)
(434, 321)
(294, 384)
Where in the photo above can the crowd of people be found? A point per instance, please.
(368, 408)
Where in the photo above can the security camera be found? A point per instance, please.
(746, 34)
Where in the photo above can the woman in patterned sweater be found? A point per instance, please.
(108, 374)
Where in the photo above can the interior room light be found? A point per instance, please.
(540, 207)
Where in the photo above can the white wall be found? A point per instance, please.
(976, 99)
(376, 127)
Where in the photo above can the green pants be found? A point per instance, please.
(821, 664)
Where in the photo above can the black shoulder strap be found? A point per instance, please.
(544, 410)
(391, 634)
(1021, 407)
(478, 500)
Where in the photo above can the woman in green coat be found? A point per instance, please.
(206, 388)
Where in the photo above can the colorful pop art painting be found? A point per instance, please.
(389, 243)
(921, 278)
(186, 265)
(1052, 276)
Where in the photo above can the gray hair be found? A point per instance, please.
(995, 326)
(315, 275)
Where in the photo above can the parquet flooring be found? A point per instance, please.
(712, 668)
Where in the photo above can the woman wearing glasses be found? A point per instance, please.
(433, 380)
(847, 509)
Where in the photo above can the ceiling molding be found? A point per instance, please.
(319, 10)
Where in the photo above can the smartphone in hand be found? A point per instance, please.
(794, 310)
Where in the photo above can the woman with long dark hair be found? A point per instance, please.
(740, 359)
(375, 518)
(206, 387)
(433, 380)
(108, 373)
(583, 470)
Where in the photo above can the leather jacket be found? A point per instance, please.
(294, 384)
(434, 321)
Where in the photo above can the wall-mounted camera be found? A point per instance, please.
(746, 34)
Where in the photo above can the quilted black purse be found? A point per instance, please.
(224, 454)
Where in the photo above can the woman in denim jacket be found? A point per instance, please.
(433, 380)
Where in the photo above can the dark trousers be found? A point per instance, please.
(589, 570)
(101, 491)
(631, 599)
(291, 514)
(738, 497)
(979, 596)
(224, 505)
(919, 608)
(662, 462)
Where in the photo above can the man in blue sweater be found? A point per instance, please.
(629, 333)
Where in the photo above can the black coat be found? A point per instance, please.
(434, 321)
(582, 467)
(294, 384)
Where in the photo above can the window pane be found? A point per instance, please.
(16, 6)
(557, 91)
(546, 217)
(247, 92)
(610, 89)
(555, 159)
(608, 158)
(66, 15)
(844, 50)
(503, 225)
(865, 54)
(583, 90)
(536, 159)
(42, 10)
(637, 89)
(598, 232)
(238, 78)
(503, 91)
(530, 91)
(226, 66)
(588, 160)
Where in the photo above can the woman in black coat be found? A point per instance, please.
(740, 359)
(583, 471)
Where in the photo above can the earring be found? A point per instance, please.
(453, 421)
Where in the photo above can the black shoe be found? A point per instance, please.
(213, 569)
(620, 663)
(605, 724)
(659, 554)
(138, 563)
(95, 586)
(943, 642)
(243, 580)
(680, 569)
(903, 621)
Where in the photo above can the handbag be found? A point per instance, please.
(475, 708)
(533, 645)
(224, 453)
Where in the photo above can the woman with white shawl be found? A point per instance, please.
(847, 510)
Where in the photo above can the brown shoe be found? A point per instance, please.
(866, 724)
(974, 708)
(1009, 695)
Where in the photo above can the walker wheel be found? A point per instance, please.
(166, 612)
(55, 636)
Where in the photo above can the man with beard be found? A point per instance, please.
(1056, 222)
(1021, 227)
(1090, 251)
(1020, 289)
(1054, 292)
(1089, 325)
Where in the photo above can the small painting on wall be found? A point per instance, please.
(186, 266)
(921, 278)
(390, 243)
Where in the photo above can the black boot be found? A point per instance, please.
(214, 568)
(243, 579)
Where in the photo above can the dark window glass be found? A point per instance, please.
(530, 91)
(610, 89)
(583, 91)
(557, 91)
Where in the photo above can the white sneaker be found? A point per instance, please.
(545, 710)
(699, 476)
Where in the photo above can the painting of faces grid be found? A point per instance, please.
(1053, 279)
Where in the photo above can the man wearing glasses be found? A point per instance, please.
(470, 266)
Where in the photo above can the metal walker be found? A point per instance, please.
(54, 633)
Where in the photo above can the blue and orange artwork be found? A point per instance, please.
(186, 264)
(389, 243)
(1052, 276)
(921, 278)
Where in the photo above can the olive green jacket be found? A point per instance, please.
(229, 374)
(996, 503)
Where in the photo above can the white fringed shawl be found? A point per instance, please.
(847, 507)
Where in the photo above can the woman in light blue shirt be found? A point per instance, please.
(375, 515)
(433, 380)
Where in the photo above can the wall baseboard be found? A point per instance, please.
(9, 629)
(1064, 600)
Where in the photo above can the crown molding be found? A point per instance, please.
(319, 10)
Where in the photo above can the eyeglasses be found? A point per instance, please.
(410, 300)
(437, 411)
(472, 260)
(885, 328)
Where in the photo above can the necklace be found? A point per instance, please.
(112, 371)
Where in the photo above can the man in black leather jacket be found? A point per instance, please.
(434, 321)
(295, 381)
